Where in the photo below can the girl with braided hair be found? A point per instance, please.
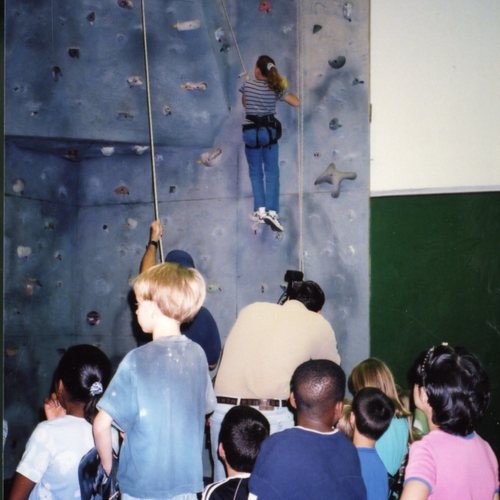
(261, 132)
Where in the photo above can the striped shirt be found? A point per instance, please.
(260, 100)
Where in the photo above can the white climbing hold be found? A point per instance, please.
(187, 25)
(107, 150)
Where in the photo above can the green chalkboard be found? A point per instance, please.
(435, 276)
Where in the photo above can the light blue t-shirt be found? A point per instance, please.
(159, 396)
(374, 474)
(392, 446)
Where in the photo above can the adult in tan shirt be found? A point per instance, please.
(267, 342)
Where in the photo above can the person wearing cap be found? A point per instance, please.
(265, 345)
(202, 329)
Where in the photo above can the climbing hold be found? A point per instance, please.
(107, 150)
(187, 25)
(337, 63)
(166, 110)
(91, 17)
(104, 227)
(224, 47)
(56, 73)
(172, 189)
(23, 252)
(93, 318)
(287, 28)
(49, 225)
(134, 81)
(316, 28)
(18, 186)
(333, 176)
(265, 6)
(132, 223)
(317, 154)
(194, 86)
(11, 351)
(122, 190)
(209, 158)
(58, 255)
(334, 124)
(72, 154)
(32, 285)
(126, 4)
(139, 150)
(220, 36)
(74, 52)
(125, 115)
(212, 288)
(347, 11)
(357, 81)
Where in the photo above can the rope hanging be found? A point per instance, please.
(150, 122)
(233, 35)
(300, 132)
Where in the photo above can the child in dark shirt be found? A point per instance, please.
(242, 432)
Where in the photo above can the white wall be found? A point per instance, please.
(435, 94)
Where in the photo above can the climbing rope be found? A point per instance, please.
(233, 35)
(300, 133)
(150, 122)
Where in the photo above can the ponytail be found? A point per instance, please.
(85, 372)
(277, 83)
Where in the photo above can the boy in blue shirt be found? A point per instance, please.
(372, 412)
(311, 460)
(160, 393)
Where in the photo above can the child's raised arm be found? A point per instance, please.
(103, 440)
(21, 488)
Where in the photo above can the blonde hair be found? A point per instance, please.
(373, 372)
(178, 291)
(344, 423)
(275, 81)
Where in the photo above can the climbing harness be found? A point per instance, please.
(271, 127)
(150, 121)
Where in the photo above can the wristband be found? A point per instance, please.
(155, 243)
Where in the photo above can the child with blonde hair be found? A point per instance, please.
(392, 446)
(160, 393)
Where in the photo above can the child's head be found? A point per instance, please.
(85, 372)
(242, 431)
(267, 68)
(373, 412)
(318, 388)
(177, 291)
(455, 386)
(373, 372)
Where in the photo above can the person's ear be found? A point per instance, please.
(293, 403)
(221, 451)
(352, 419)
(339, 406)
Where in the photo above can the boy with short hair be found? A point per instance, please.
(160, 393)
(372, 412)
(242, 432)
(311, 460)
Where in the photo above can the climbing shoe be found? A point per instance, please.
(271, 219)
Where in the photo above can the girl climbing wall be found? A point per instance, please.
(261, 132)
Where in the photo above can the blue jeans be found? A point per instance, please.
(262, 162)
(279, 420)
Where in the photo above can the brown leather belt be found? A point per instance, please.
(261, 404)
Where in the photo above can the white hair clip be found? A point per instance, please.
(269, 66)
(96, 389)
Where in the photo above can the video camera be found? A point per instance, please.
(293, 279)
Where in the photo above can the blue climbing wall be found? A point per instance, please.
(78, 197)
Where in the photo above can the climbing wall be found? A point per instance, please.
(78, 198)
